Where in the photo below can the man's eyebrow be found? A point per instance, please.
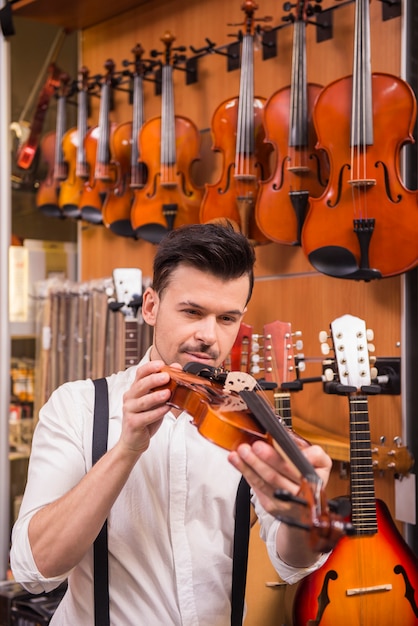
(194, 305)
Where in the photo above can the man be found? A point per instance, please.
(168, 494)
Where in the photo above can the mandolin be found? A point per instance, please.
(371, 577)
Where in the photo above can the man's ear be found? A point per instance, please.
(150, 302)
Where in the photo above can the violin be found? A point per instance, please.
(301, 170)
(102, 173)
(47, 196)
(238, 131)
(228, 418)
(73, 154)
(124, 154)
(28, 150)
(168, 145)
(365, 224)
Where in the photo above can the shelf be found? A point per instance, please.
(75, 15)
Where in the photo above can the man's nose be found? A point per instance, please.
(206, 331)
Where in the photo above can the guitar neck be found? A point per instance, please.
(131, 342)
(363, 498)
(282, 407)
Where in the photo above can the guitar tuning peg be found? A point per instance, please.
(369, 334)
(371, 347)
(301, 366)
(323, 336)
(398, 441)
(382, 439)
(325, 349)
(299, 344)
(373, 373)
(328, 374)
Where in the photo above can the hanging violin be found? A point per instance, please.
(102, 173)
(238, 133)
(73, 151)
(232, 412)
(365, 224)
(124, 154)
(168, 146)
(301, 170)
(47, 196)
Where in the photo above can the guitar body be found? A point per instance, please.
(382, 565)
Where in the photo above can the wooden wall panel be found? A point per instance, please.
(287, 288)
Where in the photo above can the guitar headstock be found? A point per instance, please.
(351, 348)
(278, 343)
(239, 357)
(396, 458)
(128, 289)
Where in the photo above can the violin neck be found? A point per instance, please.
(298, 127)
(82, 114)
(137, 118)
(266, 417)
(59, 164)
(362, 113)
(168, 133)
(103, 150)
(245, 130)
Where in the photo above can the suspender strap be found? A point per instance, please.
(100, 548)
(240, 559)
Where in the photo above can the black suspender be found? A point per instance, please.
(100, 548)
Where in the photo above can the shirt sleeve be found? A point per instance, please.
(269, 526)
(57, 463)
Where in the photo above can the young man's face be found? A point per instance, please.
(197, 317)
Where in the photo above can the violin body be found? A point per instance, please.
(366, 227)
(116, 210)
(72, 186)
(300, 172)
(95, 188)
(48, 191)
(234, 195)
(169, 198)
(381, 565)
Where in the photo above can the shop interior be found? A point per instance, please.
(66, 318)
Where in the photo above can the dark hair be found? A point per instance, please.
(214, 248)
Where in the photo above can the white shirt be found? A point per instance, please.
(170, 529)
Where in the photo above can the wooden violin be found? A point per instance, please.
(365, 224)
(228, 418)
(238, 132)
(125, 156)
(102, 173)
(47, 196)
(301, 170)
(74, 154)
(168, 145)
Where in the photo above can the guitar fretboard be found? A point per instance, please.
(363, 499)
(131, 342)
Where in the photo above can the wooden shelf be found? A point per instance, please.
(74, 15)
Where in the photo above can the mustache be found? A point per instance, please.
(203, 348)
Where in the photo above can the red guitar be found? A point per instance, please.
(371, 578)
